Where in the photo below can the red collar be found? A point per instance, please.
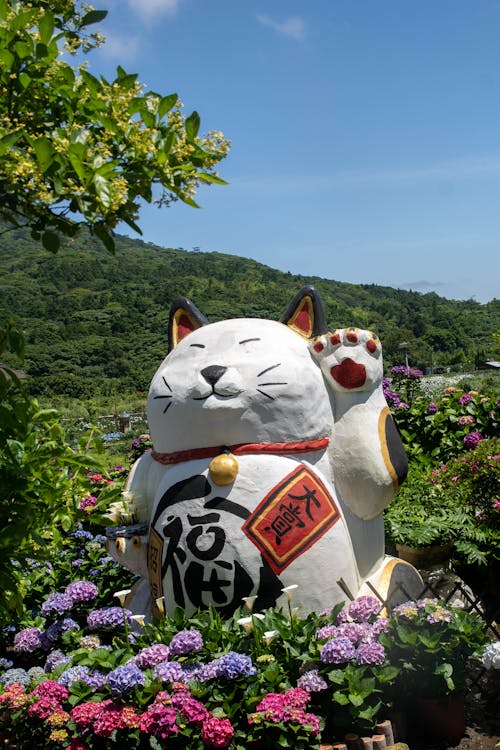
(242, 449)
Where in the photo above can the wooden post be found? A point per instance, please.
(366, 743)
(385, 728)
(339, 746)
(379, 741)
(352, 741)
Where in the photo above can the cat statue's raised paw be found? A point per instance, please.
(274, 456)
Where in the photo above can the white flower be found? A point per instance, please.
(269, 636)
(122, 595)
(491, 656)
(118, 513)
(139, 619)
(160, 603)
(288, 590)
(249, 601)
(247, 622)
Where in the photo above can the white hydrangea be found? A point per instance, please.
(491, 656)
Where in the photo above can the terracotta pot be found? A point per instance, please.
(424, 557)
(439, 719)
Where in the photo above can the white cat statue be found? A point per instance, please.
(274, 457)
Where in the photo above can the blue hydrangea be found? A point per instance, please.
(108, 617)
(5, 663)
(233, 665)
(125, 678)
(56, 604)
(74, 674)
(13, 676)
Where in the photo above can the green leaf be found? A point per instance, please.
(51, 241)
(166, 104)
(8, 141)
(6, 59)
(207, 177)
(23, 49)
(103, 190)
(93, 16)
(44, 152)
(24, 80)
(192, 125)
(46, 27)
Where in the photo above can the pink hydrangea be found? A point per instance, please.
(51, 689)
(76, 744)
(85, 713)
(159, 720)
(216, 732)
(108, 719)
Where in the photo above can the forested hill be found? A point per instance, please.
(96, 323)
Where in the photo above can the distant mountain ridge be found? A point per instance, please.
(97, 323)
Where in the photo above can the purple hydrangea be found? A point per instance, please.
(370, 653)
(355, 631)
(96, 680)
(186, 641)
(327, 631)
(81, 592)
(56, 604)
(170, 671)
(82, 534)
(472, 440)
(108, 617)
(381, 625)
(432, 408)
(125, 678)
(337, 651)
(465, 399)
(151, 656)
(5, 663)
(54, 660)
(364, 608)
(312, 681)
(28, 640)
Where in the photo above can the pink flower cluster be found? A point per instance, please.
(49, 697)
(104, 718)
(286, 707)
(14, 697)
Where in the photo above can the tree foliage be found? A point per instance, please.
(76, 148)
(97, 323)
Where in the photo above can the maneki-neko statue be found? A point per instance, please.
(274, 457)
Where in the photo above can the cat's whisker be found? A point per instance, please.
(266, 394)
(155, 397)
(268, 368)
(167, 407)
(261, 385)
(163, 378)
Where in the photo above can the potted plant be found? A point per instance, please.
(421, 521)
(430, 643)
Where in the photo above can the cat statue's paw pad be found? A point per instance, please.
(350, 359)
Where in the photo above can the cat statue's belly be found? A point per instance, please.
(276, 525)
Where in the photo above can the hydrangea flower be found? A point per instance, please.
(472, 440)
(491, 656)
(81, 592)
(74, 674)
(159, 720)
(54, 660)
(125, 678)
(56, 604)
(233, 665)
(370, 653)
(88, 504)
(337, 651)
(152, 655)
(364, 608)
(28, 640)
(169, 671)
(186, 641)
(327, 631)
(15, 676)
(312, 682)
(217, 732)
(432, 408)
(108, 618)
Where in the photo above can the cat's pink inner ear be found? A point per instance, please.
(302, 320)
(183, 325)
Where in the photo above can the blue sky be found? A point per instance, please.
(365, 133)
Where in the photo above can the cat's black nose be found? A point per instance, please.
(213, 373)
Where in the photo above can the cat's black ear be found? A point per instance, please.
(305, 314)
(184, 319)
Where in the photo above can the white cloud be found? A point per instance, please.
(120, 47)
(293, 26)
(149, 10)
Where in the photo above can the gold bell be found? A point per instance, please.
(223, 469)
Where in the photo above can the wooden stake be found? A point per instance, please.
(352, 741)
(339, 746)
(366, 743)
(385, 728)
(379, 741)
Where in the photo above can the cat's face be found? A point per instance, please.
(237, 381)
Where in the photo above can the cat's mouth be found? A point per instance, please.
(218, 395)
